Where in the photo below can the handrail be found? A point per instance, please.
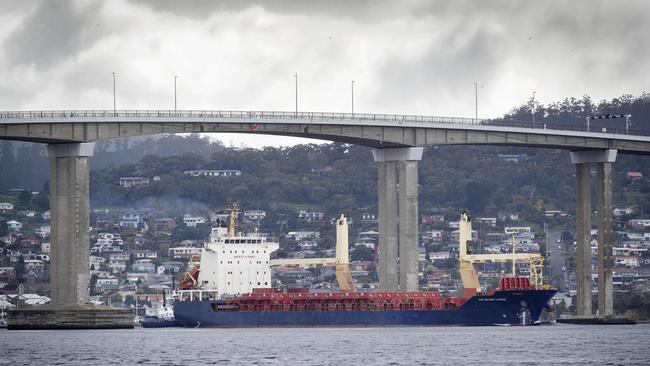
(312, 116)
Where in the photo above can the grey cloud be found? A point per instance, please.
(55, 31)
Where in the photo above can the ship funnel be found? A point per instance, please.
(342, 251)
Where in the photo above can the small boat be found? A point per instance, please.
(163, 317)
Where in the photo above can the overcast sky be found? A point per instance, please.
(411, 57)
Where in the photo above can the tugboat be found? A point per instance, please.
(163, 317)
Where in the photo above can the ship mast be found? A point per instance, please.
(234, 211)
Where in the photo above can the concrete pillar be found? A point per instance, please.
(387, 215)
(583, 160)
(583, 238)
(69, 206)
(398, 242)
(605, 238)
(408, 225)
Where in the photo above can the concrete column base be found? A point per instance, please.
(71, 316)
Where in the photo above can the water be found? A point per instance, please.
(557, 344)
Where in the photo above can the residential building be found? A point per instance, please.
(6, 207)
(432, 219)
(46, 215)
(30, 242)
(435, 256)
(308, 215)
(254, 215)
(128, 182)
(143, 266)
(455, 235)
(27, 213)
(14, 225)
(45, 247)
(630, 261)
(639, 223)
(634, 175)
(107, 283)
(513, 158)
(516, 229)
(555, 214)
(145, 254)
(43, 231)
(491, 221)
(622, 211)
(132, 221)
(301, 235)
(163, 224)
(192, 221)
(184, 252)
(213, 173)
(434, 235)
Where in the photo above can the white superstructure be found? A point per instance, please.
(235, 264)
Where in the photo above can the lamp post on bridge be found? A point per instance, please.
(533, 108)
(352, 89)
(295, 75)
(476, 101)
(175, 108)
(114, 109)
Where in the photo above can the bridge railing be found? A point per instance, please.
(235, 114)
(397, 118)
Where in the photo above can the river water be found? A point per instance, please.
(547, 345)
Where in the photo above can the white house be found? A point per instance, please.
(516, 229)
(620, 211)
(184, 252)
(435, 235)
(132, 221)
(630, 261)
(308, 215)
(14, 225)
(254, 215)
(6, 207)
(43, 231)
(301, 235)
(128, 182)
(213, 173)
(192, 221)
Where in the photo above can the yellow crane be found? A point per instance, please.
(466, 261)
(341, 261)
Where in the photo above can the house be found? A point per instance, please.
(14, 225)
(128, 182)
(163, 224)
(434, 235)
(634, 175)
(46, 215)
(132, 221)
(6, 207)
(45, 247)
(107, 283)
(629, 261)
(308, 215)
(254, 215)
(192, 221)
(454, 224)
(435, 256)
(43, 231)
(145, 254)
(369, 218)
(184, 252)
(516, 229)
(120, 257)
(213, 173)
(301, 235)
(27, 213)
(30, 242)
(143, 266)
(622, 211)
(432, 219)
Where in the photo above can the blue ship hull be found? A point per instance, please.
(501, 308)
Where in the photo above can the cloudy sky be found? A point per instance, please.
(411, 57)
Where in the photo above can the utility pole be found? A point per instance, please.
(175, 109)
(475, 102)
(114, 109)
(533, 109)
(296, 76)
(352, 88)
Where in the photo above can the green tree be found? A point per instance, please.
(20, 269)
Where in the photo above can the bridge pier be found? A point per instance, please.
(603, 160)
(398, 217)
(69, 256)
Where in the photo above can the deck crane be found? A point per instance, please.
(466, 261)
(341, 261)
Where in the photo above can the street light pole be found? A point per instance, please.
(114, 95)
(533, 109)
(296, 76)
(175, 107)
(475, 102)
(352, 89)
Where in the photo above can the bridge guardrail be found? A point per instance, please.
(305, 115)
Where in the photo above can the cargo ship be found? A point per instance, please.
(231, 288)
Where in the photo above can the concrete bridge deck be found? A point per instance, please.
(374, 130)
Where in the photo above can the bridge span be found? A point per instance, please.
(397, 142)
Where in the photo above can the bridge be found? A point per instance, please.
(397, 142)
